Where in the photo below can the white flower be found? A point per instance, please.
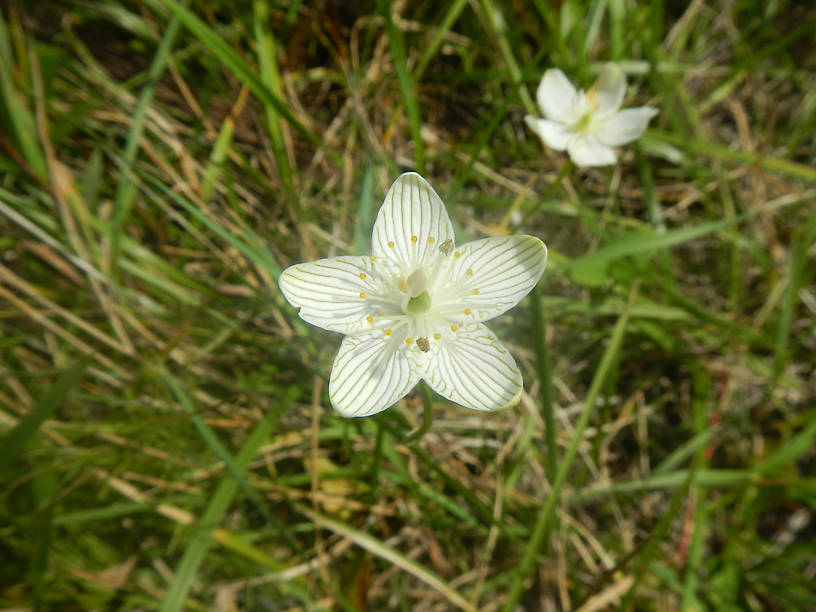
(587, 124)
(415, 307)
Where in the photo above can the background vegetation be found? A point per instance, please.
(166, 440)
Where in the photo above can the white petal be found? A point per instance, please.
(624, 126)
(412, 223)
(556, 96)
(587, 151)
(474, 369)
(491, 275)
(555, 135)
(338, 294)
(609, 89)
(370, 373)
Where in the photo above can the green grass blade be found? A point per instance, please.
(235, 63)
(547, 512)
(382, 550)
(406, 83)
(126, 188)
(17, 113)
(270, 77)
(545, 392)
(455, 9)
(30, 424)
(253, 248)
(219, 451)
(797, 260)
(200, 543)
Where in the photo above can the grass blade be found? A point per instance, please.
(25, 429)
(547, 512)
(222, 498)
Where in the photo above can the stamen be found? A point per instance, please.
(475, 292)
(453, 328)
(408, 341)
(373, 257)
(431, 239)
(468, 271)
(457, 255)
(414, 238)
(362, 275)
(362, 295)
(437, 336)
(370, 319)
(391, 244)
(467, 311)
(387, 332)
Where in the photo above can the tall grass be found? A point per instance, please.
(166, 440)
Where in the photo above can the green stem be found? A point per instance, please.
(427, 413)
(567, 169)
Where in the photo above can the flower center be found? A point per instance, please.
(419, 304)
(582, 125)
(416, 300)
(590, 104)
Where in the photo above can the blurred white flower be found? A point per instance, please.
(587, 124)
(415, 307)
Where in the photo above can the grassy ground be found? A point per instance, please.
(166, 440)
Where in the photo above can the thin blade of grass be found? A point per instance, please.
(545, 384)
(270, 77)
(214, 444)
(28, 426)
(382, 550)
(796, 267)
(126, 189)
(406, 83)
(451, 15)
(19, 116)
(236, 64)
(174, 598)
(546, 514)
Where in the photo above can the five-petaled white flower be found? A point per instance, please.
(587, 124)
(414, 308)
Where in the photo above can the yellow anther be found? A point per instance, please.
(408, 341)
(362, 295)
(391, 244)
(414, 238)
(457, 254)
(431, 239)
(362, 275)
(468, 271)
(370, 319)
(475, 292)
(437, 336)
(467, 311)
(453, 328)
(387, 332)
(372, 257)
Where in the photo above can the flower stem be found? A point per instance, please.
(427, 413)
(567, 169)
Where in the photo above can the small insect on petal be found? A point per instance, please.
(446, 247)
(423, 344)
